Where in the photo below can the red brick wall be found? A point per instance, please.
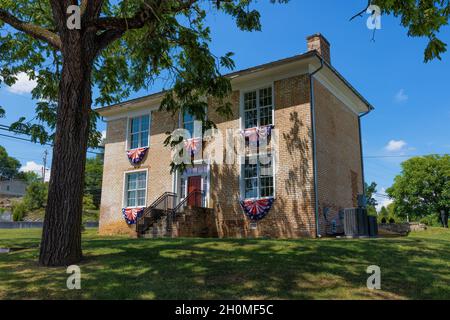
(292, 214)
(338, 155)
(116, 163)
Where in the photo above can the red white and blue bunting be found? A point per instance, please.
(193, 146)
(254, 135)
(132, 214)
(257, 209)
(136, 155)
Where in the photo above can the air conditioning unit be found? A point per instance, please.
(355, 222)
(373, 226)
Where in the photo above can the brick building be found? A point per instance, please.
(313, 172)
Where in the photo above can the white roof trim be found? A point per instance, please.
(326, 76)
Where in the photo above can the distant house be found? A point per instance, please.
(300, 191)
(12, 188)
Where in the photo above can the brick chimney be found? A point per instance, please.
(319, 43)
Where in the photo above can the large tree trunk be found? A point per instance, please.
(61, 237)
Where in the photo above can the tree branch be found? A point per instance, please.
(141, 17)
(360, 14)
(91, 8)
(114, 27)
(107, 37)
(33, 30)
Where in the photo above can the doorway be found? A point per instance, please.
(194, 178)
(195, 184)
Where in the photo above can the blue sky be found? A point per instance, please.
(412, 99)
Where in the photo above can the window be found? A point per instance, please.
(258, 177)
(258, 106)
(188, 123)
(136, 189)
(139, 131)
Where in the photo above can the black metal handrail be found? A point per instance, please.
(195, 194)
(168, 209)
(147, 211)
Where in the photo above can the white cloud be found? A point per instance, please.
(32, 166)
(401, 96)
(103, 139)
(23, 84)
(395, 145)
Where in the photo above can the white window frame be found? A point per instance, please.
(125, 190)
(258, 163)
(128, 133)
(258, 107)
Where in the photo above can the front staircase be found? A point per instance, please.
(158, 220)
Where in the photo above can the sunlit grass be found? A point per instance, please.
(415, 267)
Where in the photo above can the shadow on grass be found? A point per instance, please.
(412, 268)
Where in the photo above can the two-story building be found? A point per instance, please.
(315, 169)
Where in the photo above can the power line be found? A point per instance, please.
(382, 195)
(48, 144)
(406, 156)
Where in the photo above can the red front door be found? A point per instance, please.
(195, 184)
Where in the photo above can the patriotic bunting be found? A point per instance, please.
(254, 135)
(257, 209)
(193, 146)
(132, 214)
(136, 155)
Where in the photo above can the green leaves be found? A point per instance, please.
(421, 19)
(370, 191)
(226, 61)
(434, 49)
(93, 179)
(423, 187)
(37, 132)
(9, 167)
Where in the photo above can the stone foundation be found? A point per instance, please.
(402, 228)
(193, 222)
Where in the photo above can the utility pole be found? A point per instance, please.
(45, 165)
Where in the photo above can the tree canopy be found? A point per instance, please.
(370, 191)
(423, 187)
(9, 166)
(93, 179)
(138, 42)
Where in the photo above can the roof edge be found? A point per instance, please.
(244, 72)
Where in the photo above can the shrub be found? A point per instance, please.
(88, 202)
(431, 220)
(383, 220)
(391, 220)
(36, 195)
(19, 209)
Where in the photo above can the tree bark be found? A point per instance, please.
(61, 236)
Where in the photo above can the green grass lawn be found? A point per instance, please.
(413, 267)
